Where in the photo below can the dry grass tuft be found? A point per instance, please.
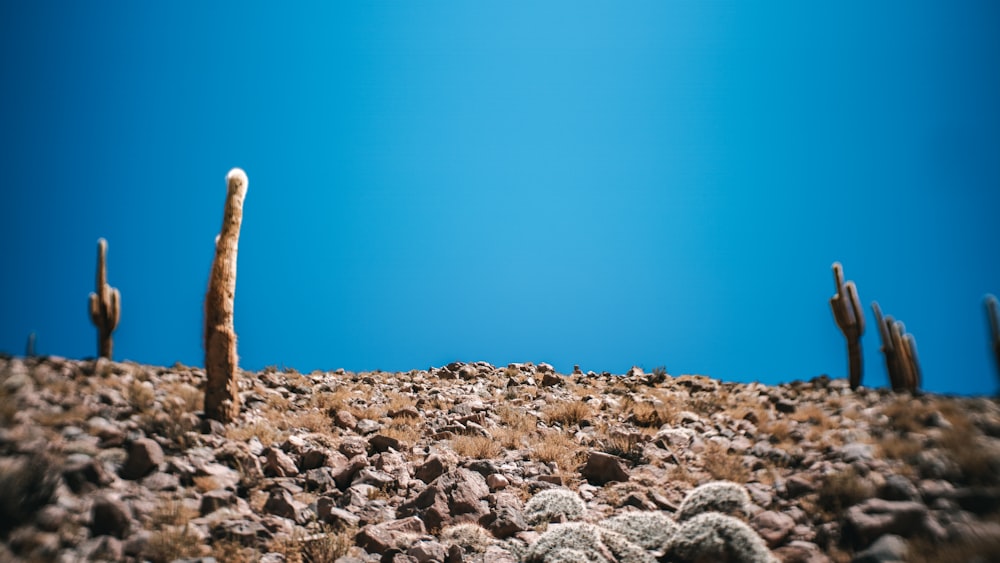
(651, 413)
(567, 413)
(723, 465)
(172, 538)
(839, 491)
(477, 447)
(558, 448)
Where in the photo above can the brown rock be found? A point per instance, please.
(144, 456)
(877, 517)
(801, 552)
(381, 443)
(773, 526)
(396, 534)
(456, 496)
(110, 517)
(344, 419)
(214, 500)
(281, 503)
(278, 464)
(343, 476)
(602, 468)
(83, 473)
(432, 468)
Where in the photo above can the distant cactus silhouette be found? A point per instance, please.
(900, 351)
(105, 304)
(993, 315)
(850, 317)
(29, 348)
(222, 399)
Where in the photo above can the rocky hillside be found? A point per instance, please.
(476, 463)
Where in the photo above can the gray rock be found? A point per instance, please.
(897, 487)
(428, 552)
(328, 511)
(246, 532)
(887, 549)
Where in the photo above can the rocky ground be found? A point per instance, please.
(476, 463)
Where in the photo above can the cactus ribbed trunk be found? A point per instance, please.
(900, 351)
(993, 316)
(104, 304)
(850, 319)
(222, 399)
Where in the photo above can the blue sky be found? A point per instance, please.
(597, 183)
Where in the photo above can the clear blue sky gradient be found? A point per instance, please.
(597, 183)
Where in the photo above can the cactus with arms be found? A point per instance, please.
(850, 318)
(993, 314)
(222, 399)
(900, 351)
(105, 304)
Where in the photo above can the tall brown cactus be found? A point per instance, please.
(850, 318)
(993, 314)
(222, 399)
(900, 351)
(105, 304)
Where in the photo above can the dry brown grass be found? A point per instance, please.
(509, 438)
(779, 430)
(477, 447)
(906, 415)
(651, 413)
(558, 448)
(264, 431)
(567, 413)
(839, 491)
(517, 419)
(331, 401)
(407, 430)
(313, 420)
(722, 465)
(903, 448)
(172, 538)
(626, 445)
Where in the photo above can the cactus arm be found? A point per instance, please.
(222, 401)
(848, 315)
(852, 298)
